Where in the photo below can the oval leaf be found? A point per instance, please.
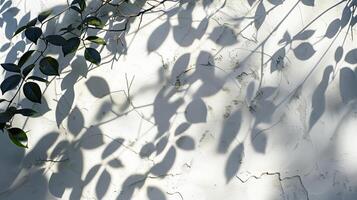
(304, 51)
(10, 83)
(92, 56)
(351, 56)
(18, 137)
(37, 79)
(56, 40)
(32, 92)
(49, 66)
(94, 21)
(26, 112)
(71, 45)
(96, 40)
(27, 70)
(25, 57)
(43, 15)
(33, 33)
(11, 67)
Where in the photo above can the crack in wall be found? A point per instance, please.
(280, 178)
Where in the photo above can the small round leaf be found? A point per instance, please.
(33, 33)
(18, 137)
(92, 56)
(70, 46)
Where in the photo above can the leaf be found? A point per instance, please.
(43, 15)
(32, 92)
(234, 162)
(25, 57)
(11, 67)
(56, 40)
(49, 66)
(158, 36)
(260, 15)
(112, 147)
(19, 30)
(351, 56)
(98, 86)
(37, 79)
(92, 56)
(103, 184)
(308, 2)
(196, 111)
(155, 193)
(338, 53)
(18, 137)
(94, 21)
(96, 40)
(27, 70)
(26, 112)
(10, 83)
(71, 45)
(333, 28)
(31, 23)
(304, 51)
(304, 35)
(186, 143)
(166, 163)
(33, 33)
(182, 128)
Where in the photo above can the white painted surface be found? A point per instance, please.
(281, 144)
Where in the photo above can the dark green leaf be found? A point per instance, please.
(96, 40)
(25, 57)
(19, 30)
(92, 56)
(11, 67)
(10, 83)
(49, 66)
(32, 92)
(18, 137)
(94, 21)
(2, 126)
(71, 45)
(37, 79)
(43, 15)
(26, 112)
(27, 70)
(56, 40)
(33, 33)
(31, 23)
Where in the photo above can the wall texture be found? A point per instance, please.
(235, 99)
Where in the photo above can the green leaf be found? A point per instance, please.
(56, 40)
(92, 55)
(25, 57)
(19, 30)
(49, 66)
(31, 23)
(32, 92)
(27, 70)
(96, 40)
(18, 137)
(10, 83)
(37, 79)
(43, 15)
(71, 45)
(26, 112)
(11, 67)
(94, 21)
(33, 33)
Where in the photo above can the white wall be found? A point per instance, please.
(213, 137)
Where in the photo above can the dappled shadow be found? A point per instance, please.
(182, 103)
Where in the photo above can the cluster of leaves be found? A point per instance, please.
(69, 40)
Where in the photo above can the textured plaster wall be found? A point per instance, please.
(207, 101)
